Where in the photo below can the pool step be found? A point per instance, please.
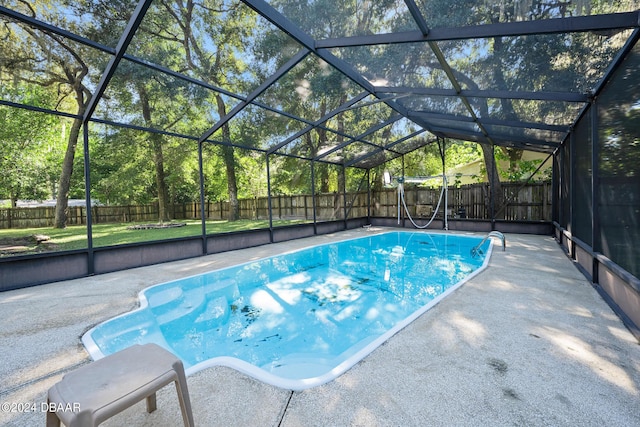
(179, 310)
(187, 305)
(215, 313)
(138, 327)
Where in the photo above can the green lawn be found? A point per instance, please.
(75, 237)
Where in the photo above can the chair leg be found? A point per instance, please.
(152, 404)
(185, 402)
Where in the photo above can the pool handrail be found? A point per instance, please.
(476, 249)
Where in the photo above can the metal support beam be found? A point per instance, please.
(456, 85)
(525, 125)
(573, 24)
(596, 241)
(269, 200)
(487, 121)
(400, 210)
(417, 16)
(87, 195)
(203, 219)
(476, 93)
(492, 195)
(404, 138)
(344, 195)
(257, 92)
(524, 143)
(183, 77)
(317, 123)
(277, 19)
(368, 172)
(143, 128)
(313, 197)
(387, 147)
(123, 44)
(360, 137)
(52, 29)
(561, 183)
(441, 116)
(626, 49)
(39, 109)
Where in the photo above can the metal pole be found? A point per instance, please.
(492, 190)
(571, 194)
(561, 184)
(344, 194)
(399, 197)
(87, 195)
(369, 196)
(444, 181)
(269, 200)
(401, 187)
(202, 198)
(313, 195)
(596, 245)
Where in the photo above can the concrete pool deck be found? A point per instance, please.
(526, 342)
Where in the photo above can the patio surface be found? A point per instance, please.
(527, 342)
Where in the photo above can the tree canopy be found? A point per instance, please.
(288, 85)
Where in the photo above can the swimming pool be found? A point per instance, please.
(299, 319)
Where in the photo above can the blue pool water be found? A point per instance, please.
(300, 319)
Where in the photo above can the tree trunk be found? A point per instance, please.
(230, 165)
(515, 156)
(64, 185)
(494, 199)
(323, 177)
(322, 169)
(158, 159)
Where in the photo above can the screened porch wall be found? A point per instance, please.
(598, 185)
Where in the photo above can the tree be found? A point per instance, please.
(526, 63)
(26, 138)
(208, 35)
(531, 63)
(39, 57)
(314, 88)
(148, 98)
(120, 172)
(155, 141)
(619, 121)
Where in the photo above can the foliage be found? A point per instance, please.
(120, 171)
(28, 145)
(290, 175)
(232, 51)
(619, 111)
(47, 59)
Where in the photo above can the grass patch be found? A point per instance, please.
(75, 237)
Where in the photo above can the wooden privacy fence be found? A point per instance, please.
(328, 207)
(531, 202)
